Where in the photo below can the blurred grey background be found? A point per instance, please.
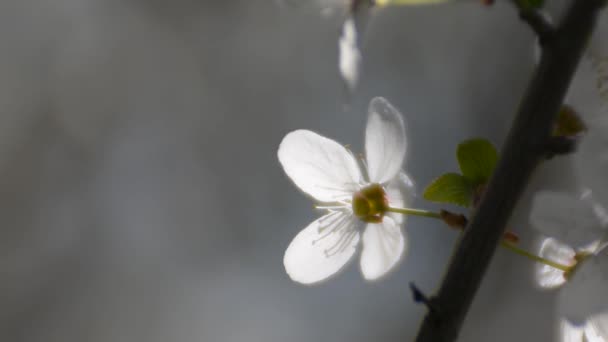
(140, 194)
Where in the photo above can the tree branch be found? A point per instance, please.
(539, 24)
(524, 149)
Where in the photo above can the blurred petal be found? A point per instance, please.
(566, 218)
(570, 332)
(591, 160)
(584, 94)
(584, 294)
(350, 57)
(400, 193)
(383, 246)
(547, 276)
(319, 166)
(599, 325)
(321, 249)
(385, 141)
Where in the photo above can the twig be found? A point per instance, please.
(524, 149)
(559, 145)
(539, 24)
(420, 297)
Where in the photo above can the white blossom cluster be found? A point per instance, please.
(577, 224)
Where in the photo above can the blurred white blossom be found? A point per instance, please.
(588, 95)
(350, 56)
(354, 198)
(577, 230)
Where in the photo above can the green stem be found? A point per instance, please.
(534, 257)
(509, 246)
(415, 212)
(407, 2)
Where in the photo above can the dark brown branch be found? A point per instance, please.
(524, 149)
(539, 24)
(560, 145)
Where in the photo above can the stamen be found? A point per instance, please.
(330, 221)
(328, 207)
(343, 241)
(338, 226)
(333, 188)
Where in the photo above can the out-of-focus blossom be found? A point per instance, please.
(588, 96)
(355, 198)
(350, 56)
(577, 230)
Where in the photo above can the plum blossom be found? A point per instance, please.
(355, 24)
(588, 95)
(349, 62)
(578, 235)
(355, 198)
(578, 225)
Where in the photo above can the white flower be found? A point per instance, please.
(577, 227)
(592, 331)
(355, 199)
(581, 302)
(588, 95)
(350, 57)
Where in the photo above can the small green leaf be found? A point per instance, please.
(477, 159)
(450, 188)
(530, 4)
(568, 123)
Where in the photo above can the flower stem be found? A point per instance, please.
(505, 244)
(534, 257)
(415, 212)
(406, 2)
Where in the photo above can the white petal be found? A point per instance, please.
(383, 246)
(591, 160)
(570, 332)
(599, 325)
(321, 249)
(551, 249)
(400, 193)
(584, 294)
(319, 166)
(350, 56)
(385, 141)
(584, 94)
(566, 218)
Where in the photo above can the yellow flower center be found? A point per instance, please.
(370, 203)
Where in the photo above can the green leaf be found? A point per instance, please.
(450, 188)
(568, 123)
(530, 4)
(477, 159)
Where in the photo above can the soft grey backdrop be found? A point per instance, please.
(140, 194)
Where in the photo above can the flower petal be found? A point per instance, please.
(566, 218)
(383, 246)
(350, 57)
(599, 325)
(321, 249)
(549, 277)
(400, 193)
(385, 141)
(319, 166)
(584, 294)
(570, 332)
(591, 160)
(584, 94)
